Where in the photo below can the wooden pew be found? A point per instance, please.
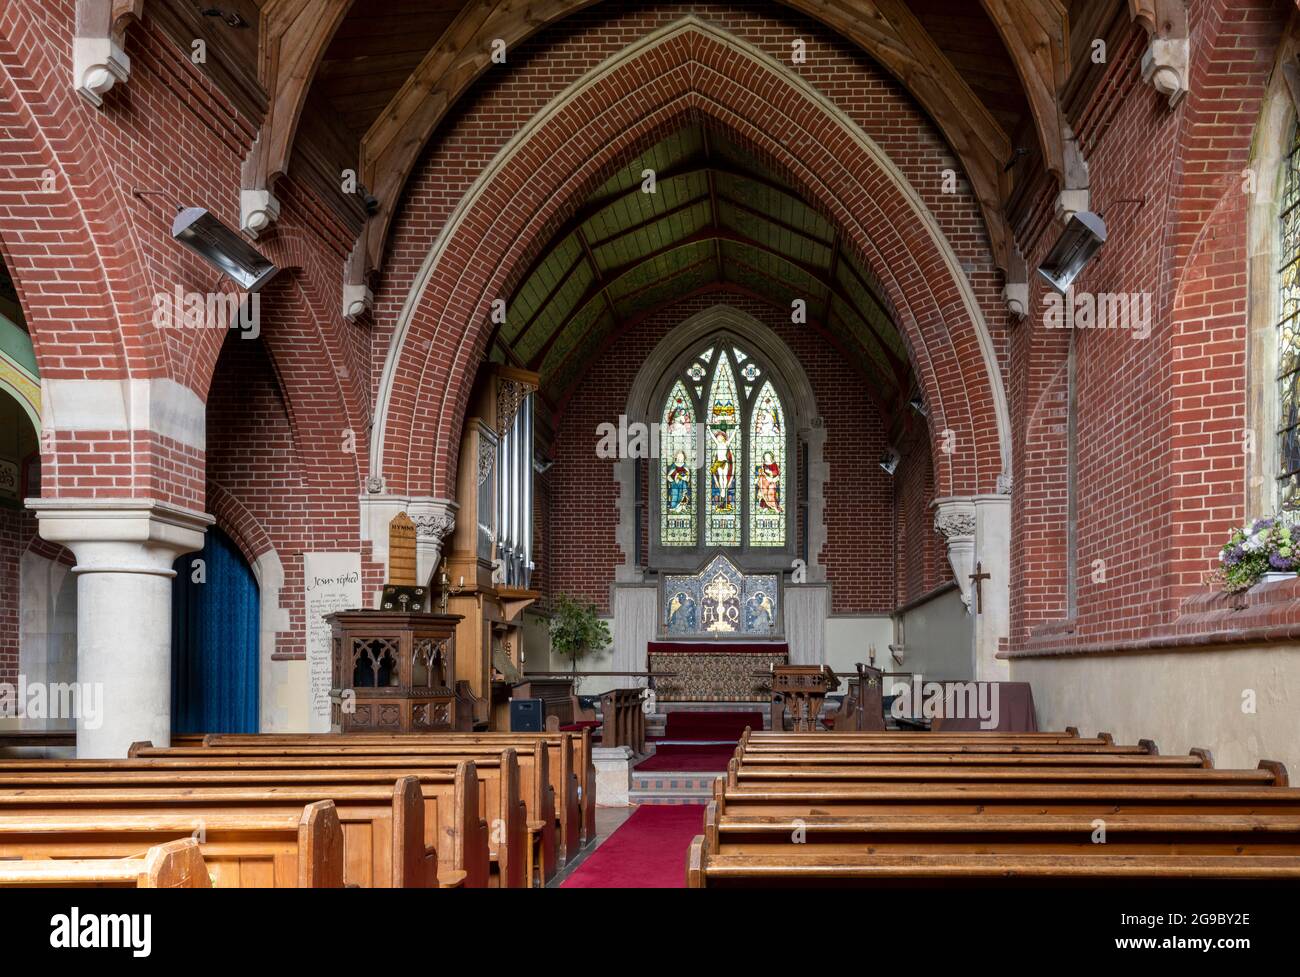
(902, 808)
(240, 849)
(386, 841)
(173, 865)
(529, 798)
(881, 850)
(572, 771)
(749, 772)
(622, 722)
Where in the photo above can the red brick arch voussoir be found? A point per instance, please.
(64, 229)
(575, 146)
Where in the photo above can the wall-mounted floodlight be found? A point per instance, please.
(1084, 234)
(918, 404)
(890, 459)
(222, 248)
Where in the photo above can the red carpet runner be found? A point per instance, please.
(683, 724)
(688, 758)
(647, 852)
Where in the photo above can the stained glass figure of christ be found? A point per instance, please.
(723, 526)
(736, 492)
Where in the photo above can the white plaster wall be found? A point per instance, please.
(938, 639)
(1180, 699)
(849, 641)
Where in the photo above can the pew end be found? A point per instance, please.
(175, 865)
(695, 863)
(1206, 757)
(320, 841)
(1278, 770)
(1150, 747)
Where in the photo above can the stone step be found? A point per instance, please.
(670, 782)
(635, 801)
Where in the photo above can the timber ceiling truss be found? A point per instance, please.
(413, 59)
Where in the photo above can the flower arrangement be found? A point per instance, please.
(1265, 546)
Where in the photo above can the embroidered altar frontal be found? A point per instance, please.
(710, 672)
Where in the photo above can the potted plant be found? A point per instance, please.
(576, 631)
(1263, 550)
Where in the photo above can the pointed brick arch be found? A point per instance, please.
(689, 70)
(63, 211)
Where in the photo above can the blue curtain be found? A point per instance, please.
(215, 641)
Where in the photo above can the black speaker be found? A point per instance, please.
(526, 716)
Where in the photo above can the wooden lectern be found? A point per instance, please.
(800, 689)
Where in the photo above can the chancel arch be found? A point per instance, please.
(530, 189)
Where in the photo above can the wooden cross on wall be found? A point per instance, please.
(977, 578)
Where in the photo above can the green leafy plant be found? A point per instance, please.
(576, 631)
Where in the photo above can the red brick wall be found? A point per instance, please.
(1159, 421)
(921, 554)
(584, 495)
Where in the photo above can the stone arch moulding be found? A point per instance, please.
(689, 66)
(1263, 212)
(802, 406)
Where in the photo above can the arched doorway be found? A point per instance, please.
(215, 622)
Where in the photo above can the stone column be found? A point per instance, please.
(124, 549)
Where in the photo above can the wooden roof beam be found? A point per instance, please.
(394, 141)
(889, 32)
(292, 38)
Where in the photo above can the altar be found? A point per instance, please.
(711, 671)
(720, 632)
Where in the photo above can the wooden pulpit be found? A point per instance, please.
(393, 672)
(800, 690)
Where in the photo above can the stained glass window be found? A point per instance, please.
(677, 465)
(767, 477)
(723, 456)
(1288, 335)
(723, 522)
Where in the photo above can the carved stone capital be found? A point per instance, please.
(954, 519)
(433, 526)
(951, 523)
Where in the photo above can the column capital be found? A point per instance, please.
(124, 535)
